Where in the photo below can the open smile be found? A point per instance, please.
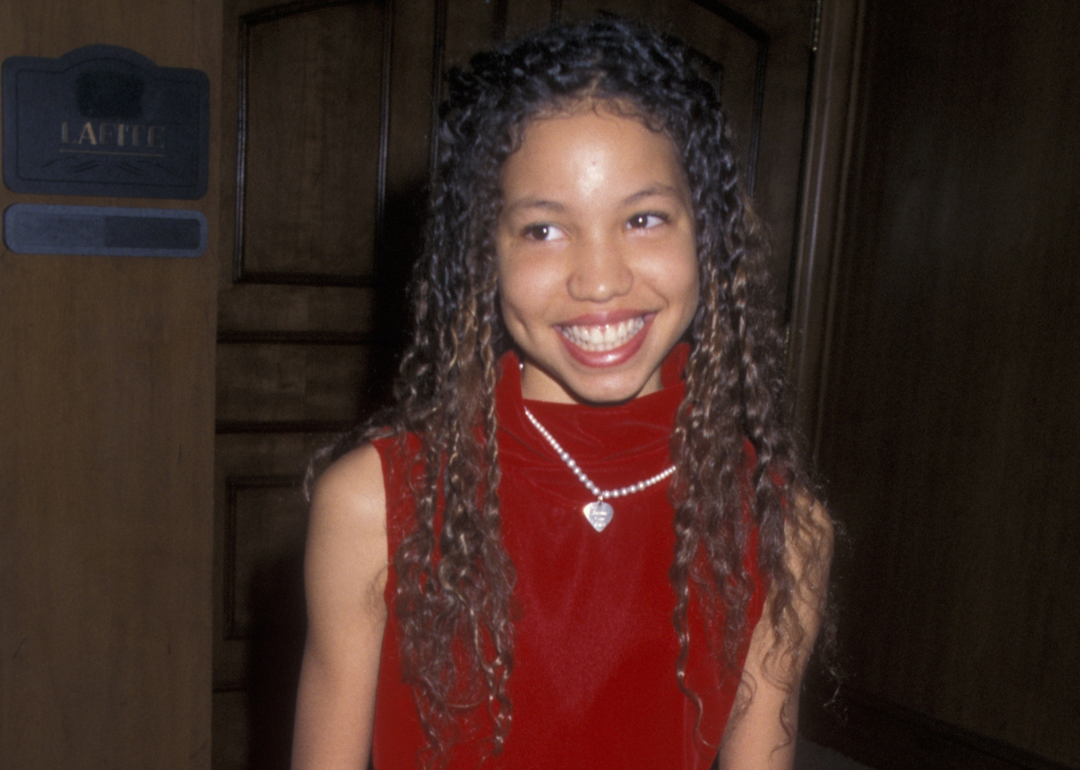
(604, 342)
(601, 338)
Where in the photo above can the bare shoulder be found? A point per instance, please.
(352, 487)
(347, 530)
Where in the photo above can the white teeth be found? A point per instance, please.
(597, 339)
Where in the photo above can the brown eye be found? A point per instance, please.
(542, 232)
(646, 220)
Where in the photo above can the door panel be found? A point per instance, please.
(262, 383)
(280, 308)
(313, 139)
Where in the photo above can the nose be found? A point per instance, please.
(599, 271)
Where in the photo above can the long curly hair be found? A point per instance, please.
(454, 578)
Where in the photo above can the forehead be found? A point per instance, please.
(591, 144)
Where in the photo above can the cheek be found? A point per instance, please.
(693, 292)
(683, 283)
(528, 282)
(693, 301)
(516, 299)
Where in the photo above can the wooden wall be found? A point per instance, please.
(106, 452)
(949, 436)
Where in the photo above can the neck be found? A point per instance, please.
(538, 385)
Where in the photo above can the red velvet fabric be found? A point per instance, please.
(593, 684)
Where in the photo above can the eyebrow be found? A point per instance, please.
(534, 203)
(554, 206)
(653, 190)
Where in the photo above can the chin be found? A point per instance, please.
(607, 393)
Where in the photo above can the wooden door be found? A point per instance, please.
(332, 107)
(106, 443)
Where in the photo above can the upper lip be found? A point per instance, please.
(604, 318)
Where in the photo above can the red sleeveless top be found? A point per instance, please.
(593, 684)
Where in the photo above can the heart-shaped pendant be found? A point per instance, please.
(599, 514)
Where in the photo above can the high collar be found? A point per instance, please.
(600, 436)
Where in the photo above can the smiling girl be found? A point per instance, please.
(582, 539)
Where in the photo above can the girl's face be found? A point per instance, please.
(597, 269)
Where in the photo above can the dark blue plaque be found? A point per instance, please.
(103, 120)
(31, 228)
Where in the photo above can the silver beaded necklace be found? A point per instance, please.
(598, 513)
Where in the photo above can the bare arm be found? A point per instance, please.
(757, 738)
(344, 575)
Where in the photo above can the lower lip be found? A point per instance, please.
(613, 357)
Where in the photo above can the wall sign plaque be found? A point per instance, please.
(31, 228)
(104, 120)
